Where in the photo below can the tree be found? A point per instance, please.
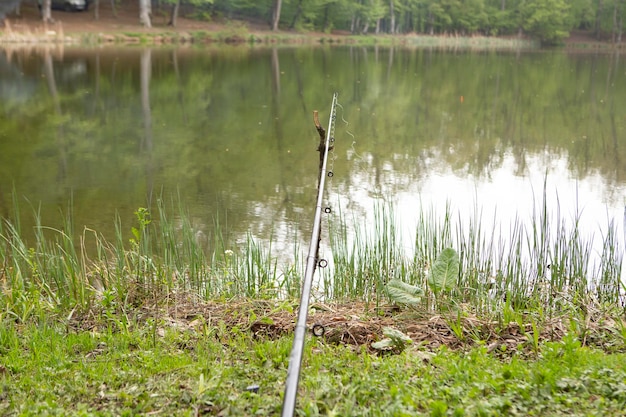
(440, 18)
(145, 12)
(581, 14)
(392, 18)
(46, 14)
(96, 9)
(546, 20)
(472, 16)
(174, 13)
(276, 14)
(7, 6)
(609, 19)
(618, 21)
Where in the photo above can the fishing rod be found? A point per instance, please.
(295, 358)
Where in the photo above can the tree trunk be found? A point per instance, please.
(596, 29)
(113, 9)
(617, 21)
(96, 10)
(145, 10)
(326, 19)
(276, 14)
(296, 15)
(355, 23)
(431, 23)
(392, 18)
(46, 14)
(614, 31)
(174, 15)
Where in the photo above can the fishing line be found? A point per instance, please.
(358, 156)
(344, 120)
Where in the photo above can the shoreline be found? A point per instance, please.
(122, 28)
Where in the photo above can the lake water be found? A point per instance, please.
(229, 132)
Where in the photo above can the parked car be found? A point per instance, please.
(67, 5)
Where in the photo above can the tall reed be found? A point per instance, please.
(160, 257)
(546, 263)
(364, 258)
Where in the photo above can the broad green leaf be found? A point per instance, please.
(384, 344)
(445, 271)
(401, 292)
(395, 339)
(399, 338)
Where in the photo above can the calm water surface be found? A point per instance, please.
(229, 132)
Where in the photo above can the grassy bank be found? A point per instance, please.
(230, 32)
(243, 37)
(160, 322)
(191, 369)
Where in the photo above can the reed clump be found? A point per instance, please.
(547, 267)
(156, 259)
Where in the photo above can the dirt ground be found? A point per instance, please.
(357, 325)
(125, 19)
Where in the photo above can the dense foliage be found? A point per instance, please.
(547, 20)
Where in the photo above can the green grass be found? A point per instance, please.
(54, 369)
(154, 322)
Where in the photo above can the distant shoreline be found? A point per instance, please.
(81, 28)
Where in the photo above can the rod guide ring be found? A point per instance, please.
(318, 330)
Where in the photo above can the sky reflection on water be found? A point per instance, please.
(229, 131)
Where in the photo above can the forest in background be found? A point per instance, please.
(549, 21)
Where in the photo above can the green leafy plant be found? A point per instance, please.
(441, 280)
(444, 273)
(395, 340)
(403, 293)
(144, 219)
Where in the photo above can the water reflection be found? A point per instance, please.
(230, 131)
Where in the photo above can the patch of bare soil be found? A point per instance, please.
(582, 41)
(124, 19)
